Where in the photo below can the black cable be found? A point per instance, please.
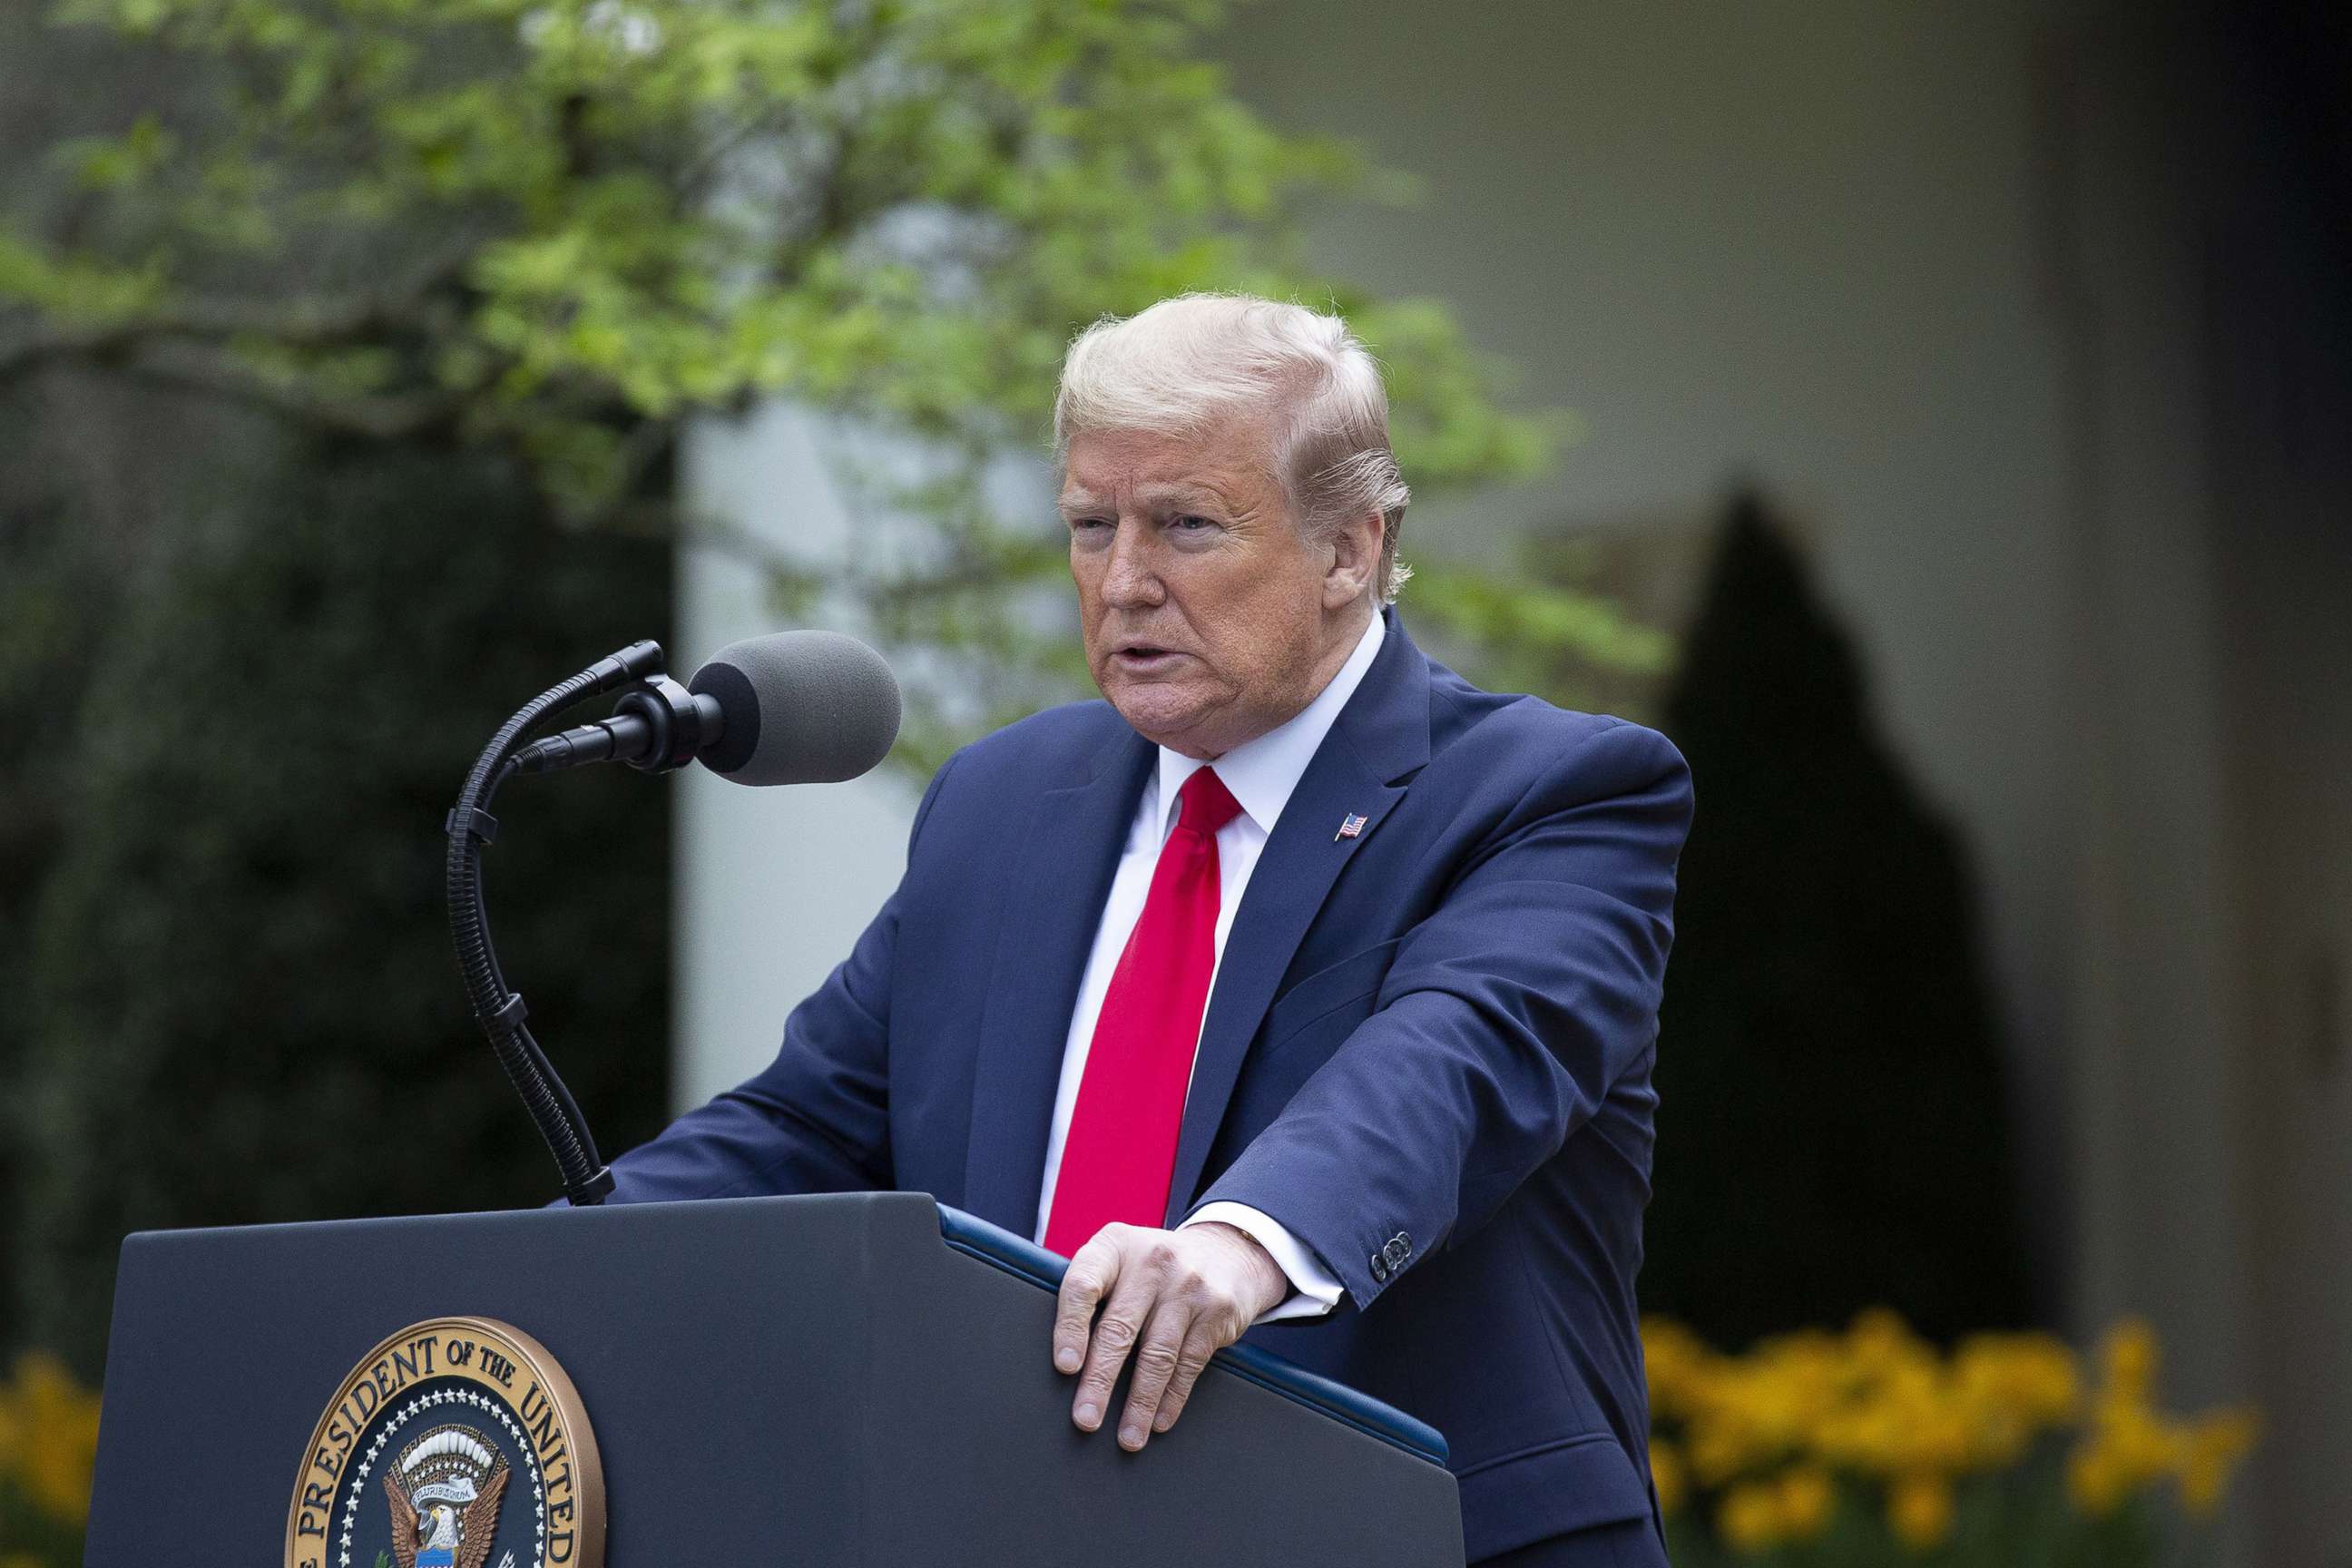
(499, 1011)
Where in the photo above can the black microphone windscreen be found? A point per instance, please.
(803, 706)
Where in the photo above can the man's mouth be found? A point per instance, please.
(1144, 657)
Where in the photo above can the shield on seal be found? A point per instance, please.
(444, 1493)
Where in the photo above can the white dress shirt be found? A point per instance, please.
(1261, 774)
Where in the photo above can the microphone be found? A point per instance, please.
(800, 706)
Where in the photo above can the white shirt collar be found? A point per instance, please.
(1263, 773)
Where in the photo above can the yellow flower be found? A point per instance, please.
(2146, 1443)
(1718, 1453)
(1678, 1364)
(12, 1437)
(1666, 1475)
(2012, 1388)
(2129, 1358)
(54, 1423)
(2214, 1447)
(1880, 1339)
(1919, 1511)
(1750, 1519)
(2094, 1480)
(1777, 1432)
(1808, 1501)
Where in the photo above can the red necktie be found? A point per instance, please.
(1121, 1153)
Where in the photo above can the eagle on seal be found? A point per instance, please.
(443, 1491)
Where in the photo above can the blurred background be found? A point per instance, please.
(1933, 418)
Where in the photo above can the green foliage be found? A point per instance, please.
(1540, 630)
(239, 1001)
(33, 1537)
(551, 228)
(53, 588)
(546, 221)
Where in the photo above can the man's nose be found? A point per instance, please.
(1131, 578)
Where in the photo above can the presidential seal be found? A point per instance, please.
(457, 1443)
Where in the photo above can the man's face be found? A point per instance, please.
(1208, 620)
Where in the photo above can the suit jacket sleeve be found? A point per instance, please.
(817, 1119)
(1507, 1014)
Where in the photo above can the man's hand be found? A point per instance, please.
(1175, 1297)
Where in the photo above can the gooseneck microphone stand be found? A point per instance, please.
(499, 1010)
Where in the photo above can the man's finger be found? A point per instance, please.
(1156, 1361)
(1116, 1332)
(1092, 1272)
(1199, 1346)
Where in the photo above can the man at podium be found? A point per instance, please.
(1298, 988)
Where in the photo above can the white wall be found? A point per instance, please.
(774, 885)
(1797, 243)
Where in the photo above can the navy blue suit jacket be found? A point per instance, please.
(1428, 1052)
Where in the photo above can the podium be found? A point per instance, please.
(863, 1379)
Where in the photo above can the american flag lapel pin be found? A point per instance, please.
(1352, 826)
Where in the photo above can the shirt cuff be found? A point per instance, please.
(1314, 1290)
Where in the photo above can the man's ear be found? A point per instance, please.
(1355, 559)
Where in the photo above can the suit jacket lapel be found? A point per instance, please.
(1060, 880)
(1381, 739)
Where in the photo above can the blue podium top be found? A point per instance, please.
(1018, 1256)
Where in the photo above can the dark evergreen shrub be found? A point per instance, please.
(1831, 1128)
(239, 999)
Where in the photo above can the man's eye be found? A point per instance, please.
(1088, 525)
(1191, 524)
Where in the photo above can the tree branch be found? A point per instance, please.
(630, 509)
(304, 323)
(379, 418)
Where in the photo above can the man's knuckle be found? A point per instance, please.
(1161, 1255)
(1115, 1333)
(1159, 1358)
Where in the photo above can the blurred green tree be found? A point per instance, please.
(231, 996)
(552, 227)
